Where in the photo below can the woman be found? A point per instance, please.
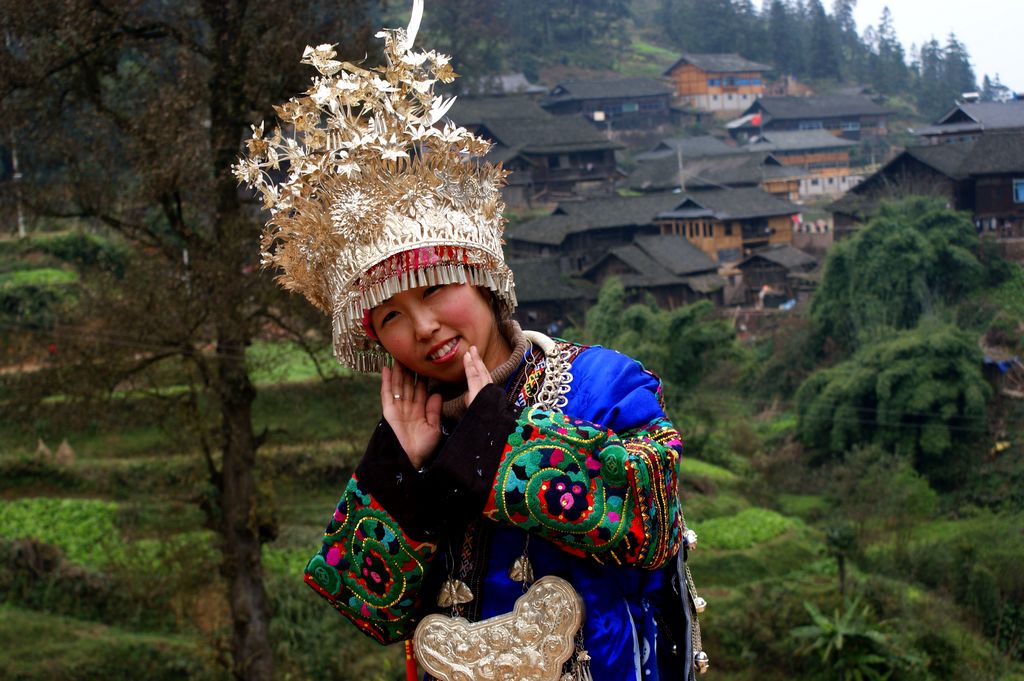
(502, 456)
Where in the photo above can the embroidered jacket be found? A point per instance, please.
(597, 483)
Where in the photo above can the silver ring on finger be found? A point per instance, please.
(397, 396)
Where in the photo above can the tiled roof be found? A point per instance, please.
(691, 147)
(730, 204)
(592, 214)
(476, 110)
(988, 114)
(552, 134)
(948, 159)
(739, 169)
(619, 88)
(789, 108)
(676, 254)
(782, 254)
(722, 63)
(665, 261)
(995, 153)
(798, 140)
(540, 279)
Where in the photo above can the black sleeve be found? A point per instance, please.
(455, 486)
(461, 477)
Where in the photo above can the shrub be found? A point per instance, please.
(745, 529)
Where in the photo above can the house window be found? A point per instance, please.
(811, 125)
(851, 125)
(730, 82)
(630, 107)
(728, 230)
(714, 82)
(1018, 191)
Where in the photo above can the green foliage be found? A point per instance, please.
(915, 256)
(288, 362)
(919, 393)
(83, 528)
(691, 466)
(745, 529)
(679, 345)
(312, 641)
(807, 507)
(45, 276)
(878, 490)
(79, 248)
(784, 359)
(848, 643)
(1009, 294)
(41, 647)
(35, 297)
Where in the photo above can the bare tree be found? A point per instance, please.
(128, 114)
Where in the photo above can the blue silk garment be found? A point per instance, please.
(620, 632)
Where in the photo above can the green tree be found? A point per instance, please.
(786, 38)
(680, 345)
(824, 43)
(919, 393)
(889, 72)
(914, 257)
(958, 70)
(130, 114)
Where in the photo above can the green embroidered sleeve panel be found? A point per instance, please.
(378, 545)
(369, 569)
(600, 495)
(373, 562)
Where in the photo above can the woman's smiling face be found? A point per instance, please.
(428, 329)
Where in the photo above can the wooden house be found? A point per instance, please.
(619, 104)
(984, 176)
(825, 157)
(967, 121)
(547, 296)
(728, 224)
(776, 268)
(917, 171)
(669, 268)
(716, 82)
(850, 116)
(580, 232)
(549, 157)
(995, 168)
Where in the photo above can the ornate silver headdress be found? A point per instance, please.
(379, 196)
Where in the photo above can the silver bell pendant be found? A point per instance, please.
(701, 661)
(699, 604)
(690, 540)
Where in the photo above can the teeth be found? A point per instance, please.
(448, 347)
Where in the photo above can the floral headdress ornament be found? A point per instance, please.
(370, 194)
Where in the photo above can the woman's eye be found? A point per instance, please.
(388, 316)
(432, 289)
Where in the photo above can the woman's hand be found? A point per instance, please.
(415, 418)
(477, 375)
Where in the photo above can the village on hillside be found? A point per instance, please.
(723, 180)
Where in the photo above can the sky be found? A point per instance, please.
(990, 29)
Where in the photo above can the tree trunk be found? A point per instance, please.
(241, 564)
(234, 244)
